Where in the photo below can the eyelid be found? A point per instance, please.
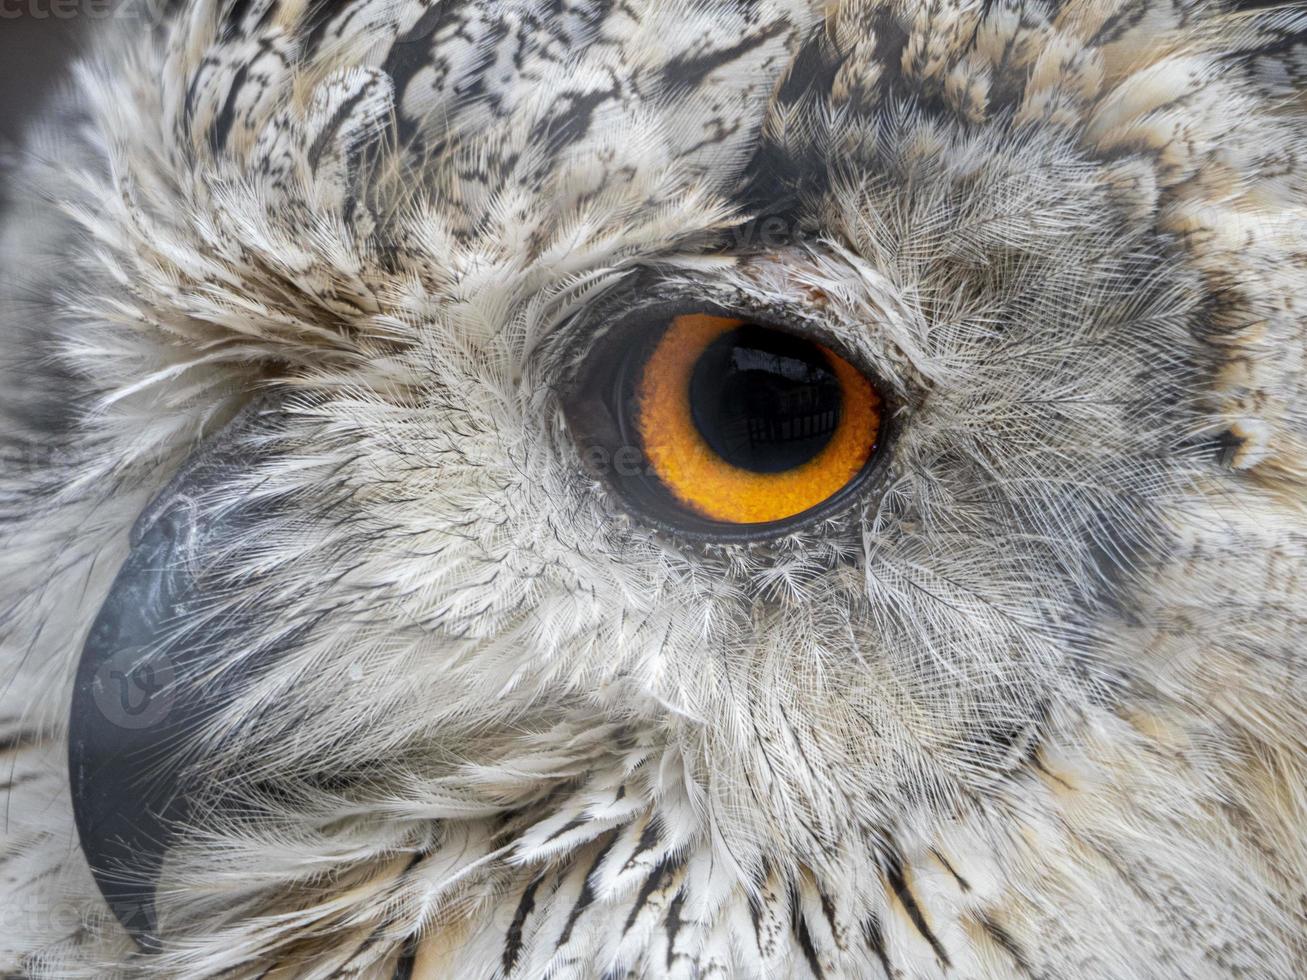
(622, 322)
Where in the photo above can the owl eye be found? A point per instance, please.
(711, 422)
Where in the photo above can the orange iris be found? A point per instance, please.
(720, 490)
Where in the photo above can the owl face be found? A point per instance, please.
(742, 489)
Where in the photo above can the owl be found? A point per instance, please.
(595, 489)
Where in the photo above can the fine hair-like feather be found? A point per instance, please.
(1036, 706)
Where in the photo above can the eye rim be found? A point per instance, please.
(590, 403)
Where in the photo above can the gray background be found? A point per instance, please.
(34, 53)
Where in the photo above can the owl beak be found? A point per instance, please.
(134, 714)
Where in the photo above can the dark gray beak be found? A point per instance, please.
(136, 704)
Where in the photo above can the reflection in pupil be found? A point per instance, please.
(764, 400)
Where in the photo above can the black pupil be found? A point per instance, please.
(765, 400)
